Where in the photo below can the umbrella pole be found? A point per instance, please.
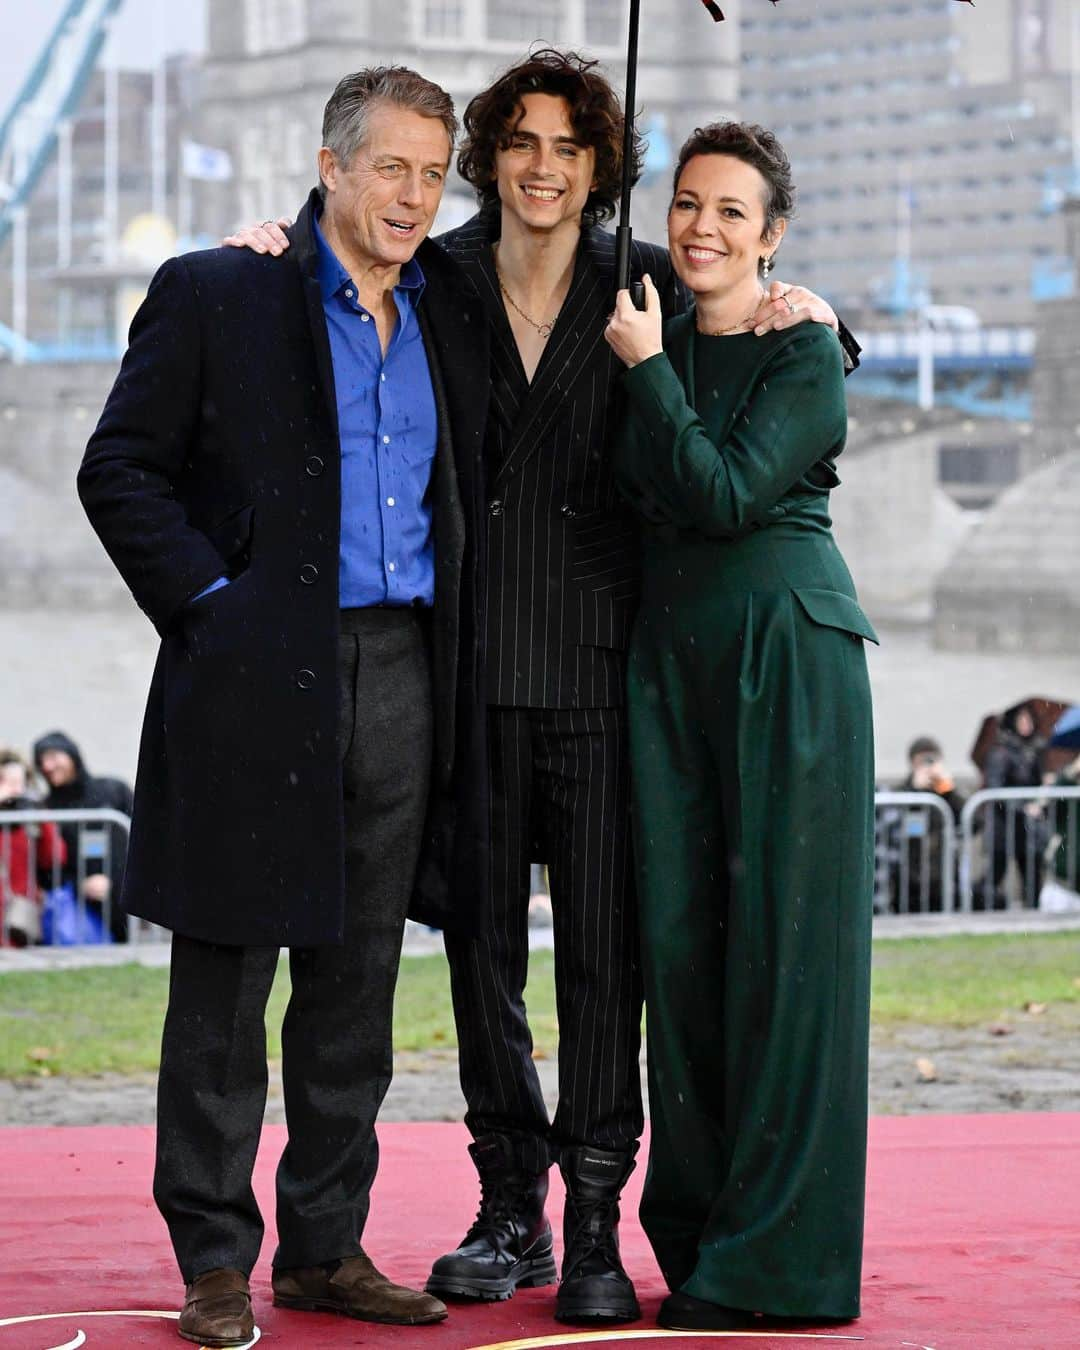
(623, 233)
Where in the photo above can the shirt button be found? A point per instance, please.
(365, 318)
(495, 507)
(349, 294)
(390, 501)
(309, 574)
(386, 440)
(568, 511)
(391, 567)
(313, 466)
(383, 378)
(305, 678)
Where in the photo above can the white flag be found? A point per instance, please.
(206, 162)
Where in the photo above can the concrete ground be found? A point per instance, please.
(87, 673)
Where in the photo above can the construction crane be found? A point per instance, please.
(51, 93)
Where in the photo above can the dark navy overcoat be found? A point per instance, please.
(218, 452)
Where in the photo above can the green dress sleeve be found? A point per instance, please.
(675, 470)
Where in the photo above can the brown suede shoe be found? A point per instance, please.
(217, 1310)
(355, 1289)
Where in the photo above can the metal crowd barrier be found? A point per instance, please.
(924, 861)
(910, 829)
(1025, 836)
(92, 853)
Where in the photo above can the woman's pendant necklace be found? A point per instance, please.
(735, 327)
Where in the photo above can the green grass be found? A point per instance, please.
(962, 981)
(109, 1020)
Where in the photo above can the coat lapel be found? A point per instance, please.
(302, 240)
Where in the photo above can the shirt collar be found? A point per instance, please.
(332, 276)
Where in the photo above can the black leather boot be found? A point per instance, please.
(594, 1287)
(508, 1246)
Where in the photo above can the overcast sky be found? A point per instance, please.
(133, 43)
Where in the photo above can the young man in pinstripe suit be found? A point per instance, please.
(543, 150)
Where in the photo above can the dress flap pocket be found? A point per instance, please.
(232, 535)
(833, 609)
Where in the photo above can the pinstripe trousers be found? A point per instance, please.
(560, 794)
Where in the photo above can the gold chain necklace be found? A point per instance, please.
(544, 329)
(723, 332)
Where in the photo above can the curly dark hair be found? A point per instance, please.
(595, 114)
(754, 145)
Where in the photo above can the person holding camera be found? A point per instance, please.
(923, 831)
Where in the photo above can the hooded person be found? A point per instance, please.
(1015, 761)
(103, 852)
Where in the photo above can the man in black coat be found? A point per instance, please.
(96, 856)
(286, 475)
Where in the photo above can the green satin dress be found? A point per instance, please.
(752, 753)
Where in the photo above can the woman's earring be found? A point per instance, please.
(766, 264)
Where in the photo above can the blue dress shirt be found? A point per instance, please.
(387, 426)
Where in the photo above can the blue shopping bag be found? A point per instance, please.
(63, 924)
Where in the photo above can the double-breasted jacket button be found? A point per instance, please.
(495, 507)
(314, 465)
(305, 678)
(568, 511)
(309, 574)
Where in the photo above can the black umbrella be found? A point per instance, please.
(623, 233)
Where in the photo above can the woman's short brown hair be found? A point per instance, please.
(754, 145)
(595, 114)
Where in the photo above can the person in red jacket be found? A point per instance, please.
(27, 853)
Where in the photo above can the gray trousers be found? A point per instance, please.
(337, 1055)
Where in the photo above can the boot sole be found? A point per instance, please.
(328, 1305)
(531, 1274)
(566, 1310)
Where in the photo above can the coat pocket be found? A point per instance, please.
(833, 609)
(232, 538)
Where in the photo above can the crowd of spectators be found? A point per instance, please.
(59, 880)
(1023, 843)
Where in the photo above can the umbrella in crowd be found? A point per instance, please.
(623, 235)
(1066, 731)
(1045, 711)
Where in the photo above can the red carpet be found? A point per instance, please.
(973, 1240)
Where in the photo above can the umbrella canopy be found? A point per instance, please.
(1045, 711)
(1066, 730)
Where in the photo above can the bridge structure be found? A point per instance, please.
(983, 372)
(37, 126)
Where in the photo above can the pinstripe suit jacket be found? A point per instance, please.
(562, 562)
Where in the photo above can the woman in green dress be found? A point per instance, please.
(752, 753)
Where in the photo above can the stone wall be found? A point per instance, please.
(49, 556)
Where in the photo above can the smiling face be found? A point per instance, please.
(544, 174)
(380, 207)
(716, 223)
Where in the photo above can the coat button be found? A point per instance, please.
(305, 678)
(313, 466)
(309, 574)
(568, 511)
(495, 507)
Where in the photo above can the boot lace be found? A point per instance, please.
(593, 1235)
(500, 1201)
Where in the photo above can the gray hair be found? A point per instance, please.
(348, 110)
